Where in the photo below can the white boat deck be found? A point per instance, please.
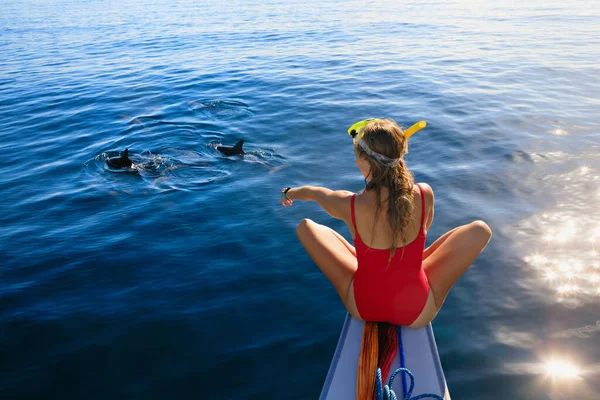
(420, 354)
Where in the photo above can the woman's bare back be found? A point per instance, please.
(381, 236)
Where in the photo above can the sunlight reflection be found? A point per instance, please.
(559, 375)
(567, 289)
(567, 256)
(556, 367)
(551, 275)
(562, 256)
(561, 369)
(563, 266)
(559, 132)
(569, 275)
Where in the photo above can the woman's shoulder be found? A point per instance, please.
(426, 187)
(427, 191)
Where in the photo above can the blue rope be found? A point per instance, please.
(386, 393)
(402, 363)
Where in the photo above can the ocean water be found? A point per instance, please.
(187, 280)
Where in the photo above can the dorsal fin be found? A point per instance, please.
(125, 155)
(238, 146)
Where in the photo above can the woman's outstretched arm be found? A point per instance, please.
(334, 202)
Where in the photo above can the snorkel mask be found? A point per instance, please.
(357, 130)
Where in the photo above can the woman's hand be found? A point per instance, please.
(285, 200)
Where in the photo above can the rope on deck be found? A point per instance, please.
(385, 392)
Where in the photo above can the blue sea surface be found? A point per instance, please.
(187, 279)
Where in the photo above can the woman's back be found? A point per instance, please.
(376, 232)
(388, 286)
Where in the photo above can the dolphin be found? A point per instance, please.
(120, 162)
(232, 151)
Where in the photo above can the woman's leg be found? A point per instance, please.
(428, 251)
(350, 248)
(452, 254)
(334, 256)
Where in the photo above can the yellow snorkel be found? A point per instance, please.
(358, 128)
(414, 129)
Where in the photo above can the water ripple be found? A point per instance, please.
(143, 270)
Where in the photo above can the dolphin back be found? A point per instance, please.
(122, 161)
(237, 149)
(232, 151)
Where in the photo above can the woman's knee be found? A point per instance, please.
(480, 230)
(304, 227)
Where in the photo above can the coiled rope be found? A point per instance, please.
(385, 392)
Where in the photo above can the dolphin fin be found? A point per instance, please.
(125, 155)
(238, 147)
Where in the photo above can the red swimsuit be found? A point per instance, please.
(396, 293)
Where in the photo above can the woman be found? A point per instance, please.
(389, 276)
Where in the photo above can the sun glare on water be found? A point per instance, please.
(563, 241)
(567, 266)
(561, 369)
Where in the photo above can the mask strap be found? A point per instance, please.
(380, 158)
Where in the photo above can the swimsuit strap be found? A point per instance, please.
(352, 211)
(422, 205)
